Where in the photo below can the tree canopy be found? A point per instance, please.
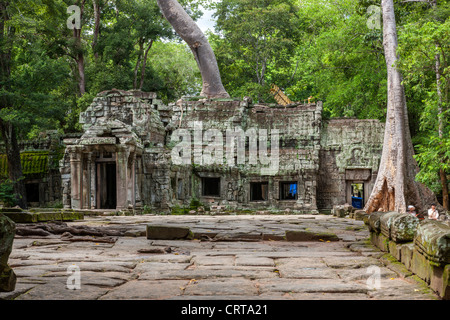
(319, 49)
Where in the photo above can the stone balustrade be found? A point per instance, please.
(422, 246)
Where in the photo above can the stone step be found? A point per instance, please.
(30, 217)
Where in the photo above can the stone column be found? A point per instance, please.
(133, 181)
(122, 178)
(138, 184)
(85, 182)
(75, 179)
(92, 177)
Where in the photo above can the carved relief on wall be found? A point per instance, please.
(356, 157)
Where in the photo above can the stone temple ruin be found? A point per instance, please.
(128, 155)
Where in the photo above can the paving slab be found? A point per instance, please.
(146, 290)
(251, 260)
(311, 285)
(219, 287)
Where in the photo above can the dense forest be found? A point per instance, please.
(53, 64)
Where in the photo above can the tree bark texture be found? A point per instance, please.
(144, 63)
(96, 7)
(442, 174)
(188, 30)
(395, 187)
(79, 55)
(7, 129)
(8, 132)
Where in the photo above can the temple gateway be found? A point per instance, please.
(137, 152)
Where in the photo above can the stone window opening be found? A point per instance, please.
(211, 187)
(259, 191)
(288, 190)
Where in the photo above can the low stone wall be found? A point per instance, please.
(422, 246)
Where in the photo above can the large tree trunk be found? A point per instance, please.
(8, 132)
(138, 63)
(197, 41)
(442, 174)
(79, 55)
(81, 75)
(395, 187)
(7, 129)
(96, 6)
(144, 63)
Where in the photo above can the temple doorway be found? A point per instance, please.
(106, 185)
(357, 194)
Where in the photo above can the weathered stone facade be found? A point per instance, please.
(129, 155)
(350, 153)
(40, 167)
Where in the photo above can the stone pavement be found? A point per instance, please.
(240, 257)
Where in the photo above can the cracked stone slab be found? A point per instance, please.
(20, 288)
(311, 285)
(304, 235)
(156, 267)
(147, 290)
(214, 287)
(364, 273)
(213, 261)
(249, 260)
(353, 262)
(307, 273)
(168, 232)
(208, 273)
(57, 290)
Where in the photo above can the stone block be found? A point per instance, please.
(303, 235)
(421, 266)
(33, 217)
(386, 221)
(373, 221)
(403, 228)
(406, 254)
(395, 249)
(432, 240)
(72, 215)
(440, 281)
(380, 241)
(341, 211)
(21, 217)
(359, 215)
(166, 232)
(7, 275)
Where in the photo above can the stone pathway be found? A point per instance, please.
(231, 257)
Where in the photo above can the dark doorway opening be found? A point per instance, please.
(211, 187)
(358, 195)
(107, 185)
(259, 191)
(288, 190)
(32, 191)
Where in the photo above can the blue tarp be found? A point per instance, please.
(293, 189)
(357, 202)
